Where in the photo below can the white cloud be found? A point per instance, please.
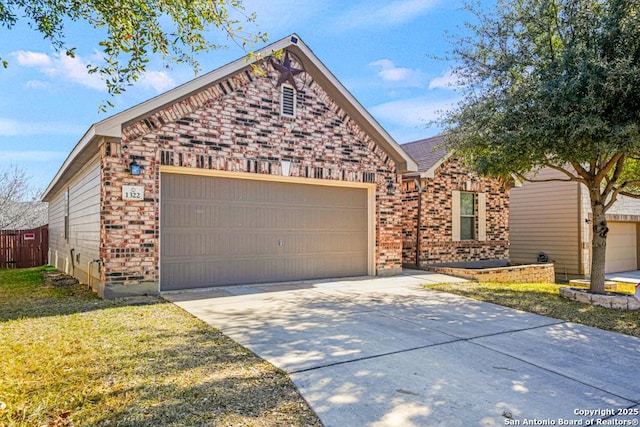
(32, 59)
(60, 67)
(384, 13)
(37, 84)
(411, 112)
(449, 80)
(390, 73)
(10, 127)
(160, 81)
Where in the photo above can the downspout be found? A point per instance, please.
(419, 187)
(73, 262)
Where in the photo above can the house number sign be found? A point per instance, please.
(133, 192)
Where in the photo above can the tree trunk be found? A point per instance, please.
(598, 247)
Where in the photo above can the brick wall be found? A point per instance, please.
(236, 126)
(436, 239)
(538, 273)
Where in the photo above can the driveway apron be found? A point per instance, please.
(387, 352)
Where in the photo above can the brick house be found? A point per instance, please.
(235, 177)
(464, 219)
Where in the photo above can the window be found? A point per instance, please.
(467, 216)
(288, 101)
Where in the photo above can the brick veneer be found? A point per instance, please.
(235, 125)
(436, 239)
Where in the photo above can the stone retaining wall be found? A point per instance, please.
(624, 302)
(532, 273)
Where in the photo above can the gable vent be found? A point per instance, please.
(288, 101)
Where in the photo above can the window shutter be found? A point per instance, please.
(482, 217)
(455, 216)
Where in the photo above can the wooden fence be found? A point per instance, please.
(24, 248)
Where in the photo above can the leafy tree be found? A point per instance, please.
(136, 29)
(20, 206)
(554, 84)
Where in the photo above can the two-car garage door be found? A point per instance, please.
(221, 231)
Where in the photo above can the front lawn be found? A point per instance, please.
(544, 299)
(68, 358)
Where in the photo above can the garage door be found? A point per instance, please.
(224, 231)
(621, 247)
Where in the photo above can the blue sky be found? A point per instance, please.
(382, 51)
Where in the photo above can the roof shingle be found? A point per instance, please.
(427, 152)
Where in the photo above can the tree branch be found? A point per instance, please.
(607, 166)
(627, 194)
(619, 166)
(581, 171)
(571, 176)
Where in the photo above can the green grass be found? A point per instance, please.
(544, 299)
(69, 358)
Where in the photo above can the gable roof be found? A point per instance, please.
(111, 127)
(429, 153)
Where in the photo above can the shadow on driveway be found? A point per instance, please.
(388, 352)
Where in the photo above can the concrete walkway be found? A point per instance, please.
(387, 352)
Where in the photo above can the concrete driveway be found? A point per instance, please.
(387, 352)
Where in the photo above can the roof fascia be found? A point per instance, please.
(82, 146)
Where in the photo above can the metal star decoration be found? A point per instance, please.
(287, 71)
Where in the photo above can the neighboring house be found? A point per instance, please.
(464, 219)
(555, 218)
(235, 177)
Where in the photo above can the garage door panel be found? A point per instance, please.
(254, 216)
(221, 231)
(191, 243)
(621, 247)
(195, 272)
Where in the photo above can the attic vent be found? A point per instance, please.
(288, 101)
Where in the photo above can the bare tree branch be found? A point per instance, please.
(20, 205)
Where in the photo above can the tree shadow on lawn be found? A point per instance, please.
(96, 362)
(205, 379)
(24, 294)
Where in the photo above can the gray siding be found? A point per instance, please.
(84, 225)
(544, 218)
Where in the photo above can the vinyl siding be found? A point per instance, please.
(544, 218)
(84, 225)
